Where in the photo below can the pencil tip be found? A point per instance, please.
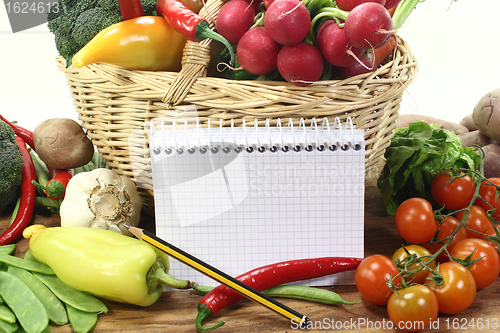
(126, 225)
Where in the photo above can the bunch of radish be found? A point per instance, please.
(308, 40)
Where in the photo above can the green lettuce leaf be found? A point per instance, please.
(416, 155)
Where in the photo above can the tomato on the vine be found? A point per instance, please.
(488, 194)
(371, 278)
(492, 232)
(455, 194)
(414, 309)
(486, 270)
(415, 220)
(420, 252)
(457, 290)
(477, 222)
(448, 226)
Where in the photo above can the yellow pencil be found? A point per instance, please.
(218, 275)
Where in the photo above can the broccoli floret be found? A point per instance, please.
(90, 22)
(11, 166)
(73, 27)
(109, 4)
(149, 6)
(66, 46)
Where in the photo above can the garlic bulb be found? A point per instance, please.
(102, 199)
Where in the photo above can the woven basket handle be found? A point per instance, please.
(195, 59)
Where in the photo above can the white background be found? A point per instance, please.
(456, 46)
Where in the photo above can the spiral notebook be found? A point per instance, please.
(240, 197)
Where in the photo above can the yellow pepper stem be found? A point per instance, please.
(157, 275)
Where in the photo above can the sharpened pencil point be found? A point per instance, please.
(126, 226)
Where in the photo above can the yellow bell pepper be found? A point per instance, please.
(143, 43)
(103, 263)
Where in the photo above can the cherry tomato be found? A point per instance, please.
(420, 252)
(453, 195)
(486, 270)
(371, 277)
(448, 226)
(488, 194)
(414, 309)
(476, 221)
(493, 233)
(458, 288)
(415, 221)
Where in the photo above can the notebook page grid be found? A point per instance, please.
(239, 211)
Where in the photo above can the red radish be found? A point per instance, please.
(366, 64)
(255, 5)
(300, 64)
(349, 5)
(368, 25)
(257, 52)
(234, 19)
(287, 21)
(333, 45)
(267, 3)
(391, 3)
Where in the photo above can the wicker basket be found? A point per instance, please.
(113, 102)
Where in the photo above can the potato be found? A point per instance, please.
(62, 144)
(492, 160)
(468, 122)
(474, 138)
(405, 119)
(486, 115)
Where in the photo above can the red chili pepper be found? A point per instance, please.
(130, 9)
(25, 134)
(271, 276)
(28, 198)
(185, 21)
(56, 187)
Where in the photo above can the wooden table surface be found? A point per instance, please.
(176, 311)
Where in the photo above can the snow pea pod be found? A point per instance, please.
(55, 309)
(316, 295)
(19, 297)
(6, 314)
(310, 294)
(28, 255)
(25, 264)
(8, 248)
(69, 295)
(6, 327)
(81, 321)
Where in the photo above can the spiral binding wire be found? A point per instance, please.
(261, 148)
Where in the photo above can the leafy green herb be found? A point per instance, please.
(416, 155)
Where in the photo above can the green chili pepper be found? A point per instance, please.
(104, 263)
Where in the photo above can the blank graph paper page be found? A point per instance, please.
(240, 198)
